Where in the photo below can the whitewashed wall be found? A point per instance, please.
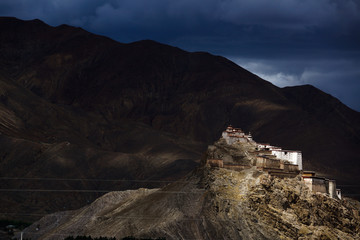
(293, 157)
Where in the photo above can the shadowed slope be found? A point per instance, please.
(46, 142)
(152, 101)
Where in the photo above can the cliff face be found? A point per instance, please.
(210, 204)
(77, 105)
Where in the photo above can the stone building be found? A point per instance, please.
(265, 157)
(260, 155)
(321, 184)
(234, 135)
(295, 157)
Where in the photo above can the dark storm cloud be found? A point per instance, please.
(214, 18)
(340, 77)
(288, 42)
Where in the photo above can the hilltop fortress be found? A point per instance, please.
(237, 151)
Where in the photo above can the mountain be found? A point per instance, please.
(79, 106)
(43, 143)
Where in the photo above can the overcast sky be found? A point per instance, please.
(287, 42)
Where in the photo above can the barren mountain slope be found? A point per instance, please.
(41, 141)
(77, 105)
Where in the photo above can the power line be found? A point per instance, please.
(115, 180)
(106, 191)
(53, 190)
(87, 190)
(68, 235)
(348, 185)
(94, 180)
(92, 216)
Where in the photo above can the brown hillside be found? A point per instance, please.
(209, 204)
(148, 103)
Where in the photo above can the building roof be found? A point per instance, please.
(282, 150)
(314, 177)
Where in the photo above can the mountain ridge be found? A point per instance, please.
(64, 84)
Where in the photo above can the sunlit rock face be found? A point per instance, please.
(211, 203)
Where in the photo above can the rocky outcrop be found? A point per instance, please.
(232, 154)
(210, 204)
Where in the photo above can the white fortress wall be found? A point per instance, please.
(299, 160)
(234, 135)
(293, 157)
(338, 193)
(332, 188)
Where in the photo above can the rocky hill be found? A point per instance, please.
(210, 203)
(74, 105)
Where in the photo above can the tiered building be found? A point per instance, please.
(272, 159)
(291, 156)
(235, 135)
